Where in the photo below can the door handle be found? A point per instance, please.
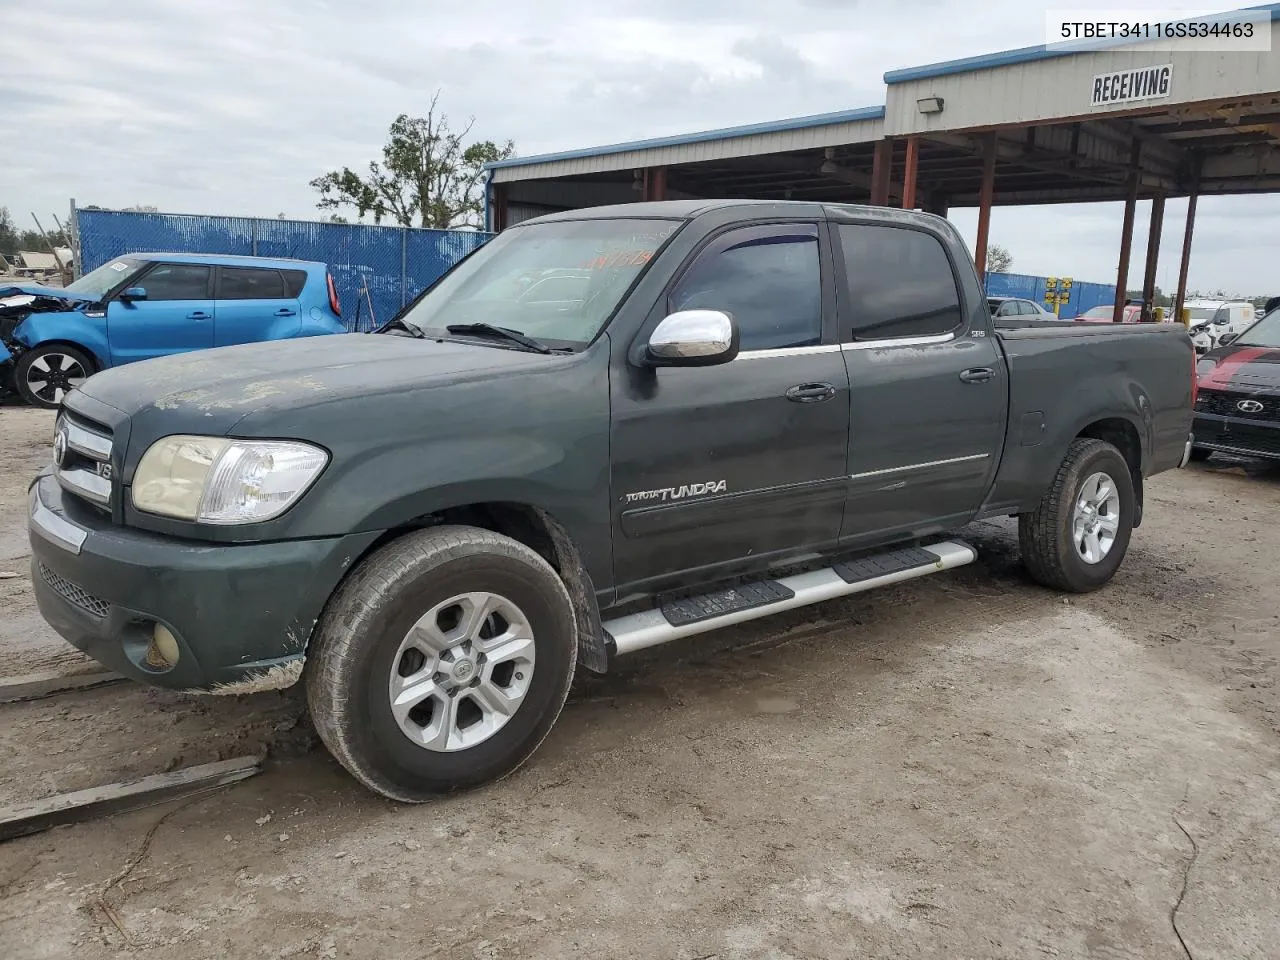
(198, 315)
(811, 392)
(285, 312)
(977, 375)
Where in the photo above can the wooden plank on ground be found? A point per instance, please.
(33, 686)
(22, 819)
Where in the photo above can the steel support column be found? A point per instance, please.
(1126, 232)
(909, 173)
(1153, 254)
(881, 172)
(1186, 249)
(655, 183)
(499, 213)
(985, 196)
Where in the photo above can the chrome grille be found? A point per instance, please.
(74, 593)
(82, 460)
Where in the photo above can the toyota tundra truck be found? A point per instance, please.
(605, 429)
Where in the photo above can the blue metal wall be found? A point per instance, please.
(1084, 295)
(394, 262)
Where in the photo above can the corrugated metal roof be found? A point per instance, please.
(700, 137)
(1041, 51)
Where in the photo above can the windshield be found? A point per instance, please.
(1264, 333)
(556, 282)
(96, 283)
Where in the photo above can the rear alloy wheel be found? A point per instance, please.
(45, 375)
(1077, 536)
(1095, 520)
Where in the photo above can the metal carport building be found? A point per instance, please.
(1117, 121)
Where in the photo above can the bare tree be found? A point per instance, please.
(999, 259)
(429, 176)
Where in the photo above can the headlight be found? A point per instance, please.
(216, 480)
(1205, 366)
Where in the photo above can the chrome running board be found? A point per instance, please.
(750, 601)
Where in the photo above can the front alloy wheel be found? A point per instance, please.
(441, 662)
(462, 671)
(45, 375)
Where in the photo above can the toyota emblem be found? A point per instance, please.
(1249, 406)
(59, 446)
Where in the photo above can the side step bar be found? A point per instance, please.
(749, 601)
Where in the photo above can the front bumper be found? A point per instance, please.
(237, 611)
(1237, 435)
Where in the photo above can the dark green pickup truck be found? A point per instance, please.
(604, 430)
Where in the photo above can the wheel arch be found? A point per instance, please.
(1122, 434)
(68, 329)
(545, 535)
(88, 351)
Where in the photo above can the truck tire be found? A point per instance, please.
(46, 374)
(1077, 536)
(441, 662)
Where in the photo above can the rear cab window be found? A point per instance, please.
(895, 283)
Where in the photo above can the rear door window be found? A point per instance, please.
(897, 283)
(768, 278)
(250, 283)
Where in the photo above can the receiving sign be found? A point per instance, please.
(1125, 86)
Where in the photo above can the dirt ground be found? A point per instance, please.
(966, 766)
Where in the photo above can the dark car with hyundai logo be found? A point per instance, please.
(1238, 405)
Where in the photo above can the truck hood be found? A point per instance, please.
(228, 383)
(40, 290)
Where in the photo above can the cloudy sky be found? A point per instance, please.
(233, 106)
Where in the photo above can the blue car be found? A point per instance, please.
(151, 305)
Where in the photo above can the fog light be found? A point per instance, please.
(162, 652)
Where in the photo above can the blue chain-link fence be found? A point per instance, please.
(377, 269)
(1084, 295)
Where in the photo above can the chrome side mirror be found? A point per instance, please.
(694, 338)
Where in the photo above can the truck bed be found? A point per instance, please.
(1144, 370)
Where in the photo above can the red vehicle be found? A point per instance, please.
(1104, 314)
